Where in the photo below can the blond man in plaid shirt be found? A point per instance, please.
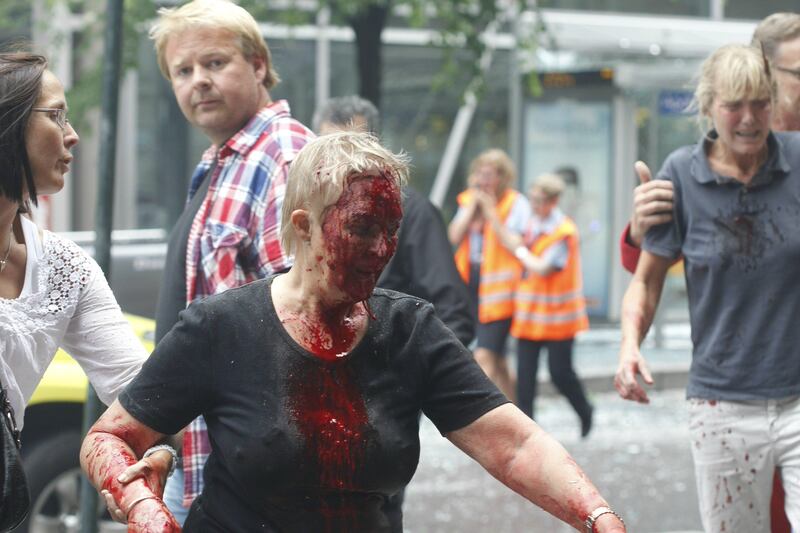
(220, 69)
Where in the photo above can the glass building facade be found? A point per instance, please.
(649, 52)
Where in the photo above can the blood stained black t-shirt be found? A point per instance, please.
(299, 443)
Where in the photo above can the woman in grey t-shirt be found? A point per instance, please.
(735, 219)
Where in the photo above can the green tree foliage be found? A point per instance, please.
(16, 24)
(85, 93)
(15, 18)
(460, 25)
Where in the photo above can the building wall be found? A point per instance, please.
(653, 49)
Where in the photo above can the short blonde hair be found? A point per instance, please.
(774, 30)
(732, 72)
(500, 161)
(218, 14)
(320, 171)
(552, 185)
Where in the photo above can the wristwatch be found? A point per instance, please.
(597, 513)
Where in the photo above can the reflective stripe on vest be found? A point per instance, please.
(552, 307)
(552, 318)
(500, 270)
(550, 298)
(498, 277)
(488, 299)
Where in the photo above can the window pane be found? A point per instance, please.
(344, 76)
(692, 8)
(747, 9)
(418, 117)
(294, 61)
(164, 161)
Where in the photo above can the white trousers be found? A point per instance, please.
(736, 448)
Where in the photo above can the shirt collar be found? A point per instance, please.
(245, 139)
(549, 224)
(776, 163)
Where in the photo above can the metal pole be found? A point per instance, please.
(323, 58)
(112, 55)
(515, 94)
(717, 9)
(455, 142)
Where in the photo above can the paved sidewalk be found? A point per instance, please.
(638, 455)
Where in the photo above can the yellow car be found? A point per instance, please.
(51, 440)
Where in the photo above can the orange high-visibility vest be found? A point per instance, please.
(552, 307)
(500, 270)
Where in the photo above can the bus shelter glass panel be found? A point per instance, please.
(675, 123)
(671, 124)
(577, 134)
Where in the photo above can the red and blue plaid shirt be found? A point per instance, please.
(235, 236)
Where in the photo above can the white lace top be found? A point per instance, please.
(65, 301)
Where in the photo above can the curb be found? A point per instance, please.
(665, 377)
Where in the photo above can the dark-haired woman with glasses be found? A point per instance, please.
(52, 294)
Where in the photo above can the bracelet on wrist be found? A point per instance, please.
(597, 513)
(166, 448)
(138, 501)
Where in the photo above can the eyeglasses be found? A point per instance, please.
(58, 114)
(794, 72)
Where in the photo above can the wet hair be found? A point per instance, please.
(20, 87)
(552, 185)
(213, 14)
(774, 30)
(500, 161)
(343, 110)
(732, 72)
(321, 169)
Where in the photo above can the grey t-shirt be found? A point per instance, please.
(741, 247)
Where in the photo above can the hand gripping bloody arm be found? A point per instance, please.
(155, 468)
(652, 205)
(112, 445)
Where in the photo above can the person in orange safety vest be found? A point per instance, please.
(490, 270)
(549, 308)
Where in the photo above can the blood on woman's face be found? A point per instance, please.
(359, 234)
